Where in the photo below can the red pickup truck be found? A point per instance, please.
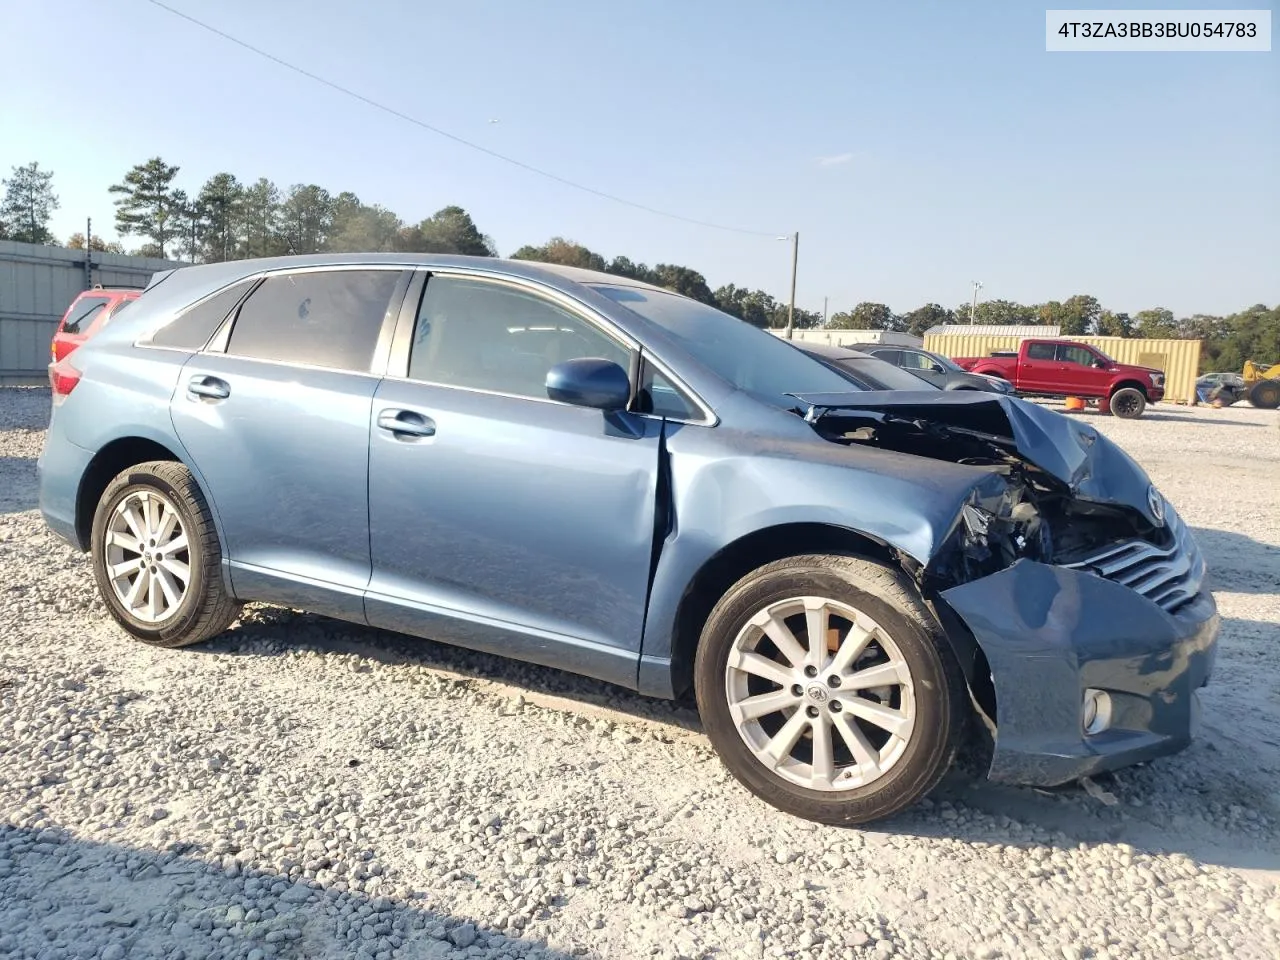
(1064, 368)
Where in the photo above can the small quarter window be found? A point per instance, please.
(192, 329)
(660, 397)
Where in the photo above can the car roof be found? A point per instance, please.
(532, 269)
(170, 290)
(109, 292)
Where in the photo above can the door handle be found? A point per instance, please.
(406, 423)
(209, 387)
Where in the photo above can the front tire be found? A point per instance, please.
(156, 557)
(1265, 394)
(1128, 403)
(850, 729)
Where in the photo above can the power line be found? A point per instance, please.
(454, 137)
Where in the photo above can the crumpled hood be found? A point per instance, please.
(1072, 452)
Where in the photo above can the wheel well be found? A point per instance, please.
(1137, 385)
(738, 559)
(116, 456)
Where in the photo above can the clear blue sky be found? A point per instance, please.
(915, 146)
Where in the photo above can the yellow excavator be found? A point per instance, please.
(1262, 384)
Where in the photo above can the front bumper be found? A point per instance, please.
(1049, 633)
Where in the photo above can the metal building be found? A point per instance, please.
(38, 283)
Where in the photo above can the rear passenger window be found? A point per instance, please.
(82, 314)
(326, 318)
(888, 356)
(1040, 351)
(192, 329)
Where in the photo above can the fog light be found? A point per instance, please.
(1095, 714)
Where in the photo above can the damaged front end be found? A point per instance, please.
(1072, 592)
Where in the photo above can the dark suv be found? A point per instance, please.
(932, 367)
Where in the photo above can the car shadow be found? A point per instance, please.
(1225, 420)
(161, 903)
(276, 631)
(1222, 418)
(1064, 816)
(18, 484)
(1238, 563)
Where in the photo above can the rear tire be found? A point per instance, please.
(1265, 394)
(1128, 403)
(851, 746)
(156, 557)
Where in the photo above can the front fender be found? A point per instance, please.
(727, 485)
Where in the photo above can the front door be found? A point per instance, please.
(1080, 373)
(500, 519)
(924, 367)
(279, 428)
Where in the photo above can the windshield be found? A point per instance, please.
(1101, 354)
(751, 359)
(876, 374)
(946, 363)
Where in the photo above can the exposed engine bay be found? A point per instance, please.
(1036, 515)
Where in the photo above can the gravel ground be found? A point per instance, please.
(304, 788)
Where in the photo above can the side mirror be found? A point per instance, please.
(1099, 364)
(590, 382)
(936, 368)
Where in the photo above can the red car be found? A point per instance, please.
(89, 312)
(1065, 368)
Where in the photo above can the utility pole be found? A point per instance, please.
(795, 259)
(973, 313)
(88, 253)
(824, 311)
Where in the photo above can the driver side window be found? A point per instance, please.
(489, 336)
(915, 361)
(1075, 355)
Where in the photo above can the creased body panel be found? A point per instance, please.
(727, 484)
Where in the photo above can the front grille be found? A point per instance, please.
(1169, 577)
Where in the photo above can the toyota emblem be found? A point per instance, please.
(1155, 503)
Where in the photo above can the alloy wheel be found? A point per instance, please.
(820, 693)
(147, 556)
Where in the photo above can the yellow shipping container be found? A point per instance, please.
(1179, 359)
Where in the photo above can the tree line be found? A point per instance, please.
(230, 219)
(1253, 333)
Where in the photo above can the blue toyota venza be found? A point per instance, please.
(587, 472)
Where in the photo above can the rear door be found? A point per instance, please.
(1038, 369)
(275, 414)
